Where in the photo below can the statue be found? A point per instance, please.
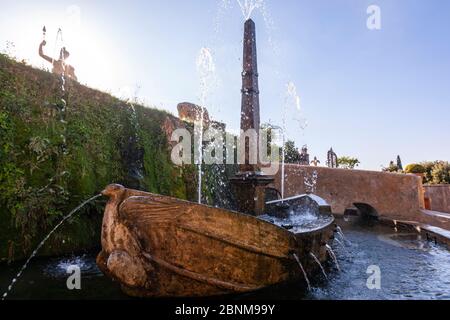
(332, 159)
(315, 162)
(60, 66)
(304, 156)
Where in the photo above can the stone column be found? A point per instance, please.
(249, 184)
(250, 90)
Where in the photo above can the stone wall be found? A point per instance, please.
(392, 195)
(439, 196)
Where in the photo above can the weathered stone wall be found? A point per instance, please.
(392, 195)
(439, 196)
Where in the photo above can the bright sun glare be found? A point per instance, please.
(91, 54)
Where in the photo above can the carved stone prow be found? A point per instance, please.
(119, 257)
(116, 194)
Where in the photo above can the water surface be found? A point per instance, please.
(411, 268)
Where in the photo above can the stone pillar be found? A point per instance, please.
(249, 184)
(250, 90)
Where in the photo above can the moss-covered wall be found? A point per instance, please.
(52, 159)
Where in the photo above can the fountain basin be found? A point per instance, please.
(158, 246)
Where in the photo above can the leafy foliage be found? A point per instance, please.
(391, 168)
(39, 182)
(348, 162)
(291, 154)
(415, 168)
(437, 172)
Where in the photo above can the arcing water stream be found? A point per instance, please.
(5, 294)
(206, 70)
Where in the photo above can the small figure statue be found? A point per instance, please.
(304, 156)
(315, 162)
(60, 66)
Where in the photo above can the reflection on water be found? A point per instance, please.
(411, 268)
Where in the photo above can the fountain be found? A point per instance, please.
(303, 271)
(319, 264)
(151, 243)
(154, 245)
(333, 256)
(205, 69)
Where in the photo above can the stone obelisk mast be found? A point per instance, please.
(249, 91)
(249, 184)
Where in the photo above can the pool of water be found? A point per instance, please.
(45, 278)
(411, 268)
(298, 223)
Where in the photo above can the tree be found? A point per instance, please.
(399, 164)
(441, 173)
(391, 168)
(348, 162)
(291, 154)
(428, 165)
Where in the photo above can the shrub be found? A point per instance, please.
(415, 168)
(348, 162)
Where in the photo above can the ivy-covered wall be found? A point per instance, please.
(59, 147)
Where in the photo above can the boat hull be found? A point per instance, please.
(158, 246)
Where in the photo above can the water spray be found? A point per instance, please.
(58, 36)
(68, 216)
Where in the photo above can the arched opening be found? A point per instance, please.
(351, 212)
(366, 210)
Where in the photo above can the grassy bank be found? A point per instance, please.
(52, 159)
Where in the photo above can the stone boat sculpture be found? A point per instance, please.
(158, 246)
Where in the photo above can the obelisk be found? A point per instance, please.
(249, 91)
(249, 184)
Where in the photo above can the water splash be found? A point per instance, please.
(320, 265)
(340, 243)
(292, 97)
(57, 267)
(19, 274)
(303, 270)
(248, 6)
(310, 182)
(333, 256)
(340, 233)
(58, 41)
(134, 153)
(206, 71)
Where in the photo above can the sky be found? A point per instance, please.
(370, 94)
